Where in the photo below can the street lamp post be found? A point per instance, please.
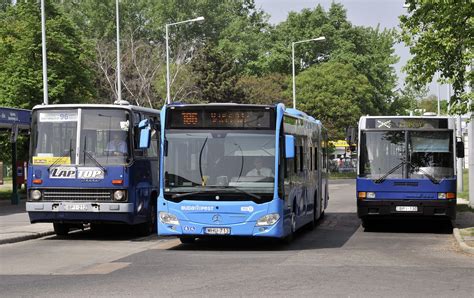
(119, 79)
(43, 48)
(168, 93)
(293, 63)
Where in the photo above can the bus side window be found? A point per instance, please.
(301, 159)
(295, 160)
(137, 117)
(316, 158)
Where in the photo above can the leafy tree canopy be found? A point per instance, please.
(440, 35)
(69, 75)
(335, 93)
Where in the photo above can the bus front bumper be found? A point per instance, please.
(424, 208)
(80, 212)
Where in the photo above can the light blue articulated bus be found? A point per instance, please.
(94, 164)
(407, 167)
(240, 170)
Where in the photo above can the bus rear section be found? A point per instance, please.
(406, 168)
(223, 174)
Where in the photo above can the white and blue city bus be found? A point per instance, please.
(240, 170)
(407, 167)
(87, 166)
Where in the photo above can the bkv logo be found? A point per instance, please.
(63, 172)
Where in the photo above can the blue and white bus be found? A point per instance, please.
(407, 167)
(87, 166)
(240, 170)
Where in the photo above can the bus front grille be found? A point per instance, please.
(77, 195)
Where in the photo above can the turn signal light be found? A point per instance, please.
(37, 181)
(450, 195)
(362, 195)
(117, 181)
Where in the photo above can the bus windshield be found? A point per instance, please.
(202, 160)
(431, 153)
(406, 154)
(382, 151)
(103, 135)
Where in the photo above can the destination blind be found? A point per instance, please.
(406, 123)
(223, 118)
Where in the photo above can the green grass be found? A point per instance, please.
(467, 232)
(465, 194)
(342, 175)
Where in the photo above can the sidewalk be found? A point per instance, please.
(15, 224)
(464, 228)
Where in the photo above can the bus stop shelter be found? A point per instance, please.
(14, 122)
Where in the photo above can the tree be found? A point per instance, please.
(440, 35)
(335, 93)
(216, 77)
(268, 89)
(369, 50)
(69, 71)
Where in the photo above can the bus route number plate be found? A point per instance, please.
(217, 231)
(406, 208)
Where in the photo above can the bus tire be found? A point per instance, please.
(187, 240)
(148, 227)
(312, 225)
(366, 223)
(61, 229)
(289, 238)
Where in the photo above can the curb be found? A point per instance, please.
(466, 248)
(25, 237)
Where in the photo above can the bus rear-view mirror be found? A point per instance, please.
(459, 149)
(289, 146)
(145, 134)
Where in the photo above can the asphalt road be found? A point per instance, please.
(336, 259)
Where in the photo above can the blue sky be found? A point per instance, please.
(368, 13)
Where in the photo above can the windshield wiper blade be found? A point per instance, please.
(429, 176)
(243, 191)
(382, 178)
(180, 195)
(56, 161)
(88, 154)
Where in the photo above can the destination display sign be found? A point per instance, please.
(406, 123)
(224, 118)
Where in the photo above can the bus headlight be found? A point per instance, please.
(268, 220)
(119, 195)
(168, 218)
(35, 195)
(370, 195)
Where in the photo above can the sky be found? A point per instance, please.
(368, 13)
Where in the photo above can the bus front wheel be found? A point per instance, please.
(187, 240)
(61, 229)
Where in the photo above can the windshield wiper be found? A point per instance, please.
(429, 176)
(243, 191)
(180, 195)
(56, 161)
(382, 178)
(215, 188)
(88, 154)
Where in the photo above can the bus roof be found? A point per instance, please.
(97, 106)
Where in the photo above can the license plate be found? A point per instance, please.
(406, 208)
(76, 207)
(217, 231)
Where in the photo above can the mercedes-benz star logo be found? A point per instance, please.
(216, 218)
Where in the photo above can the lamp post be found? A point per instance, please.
(43, 49)
(168, 95)
(293, 63)
(119, 79)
